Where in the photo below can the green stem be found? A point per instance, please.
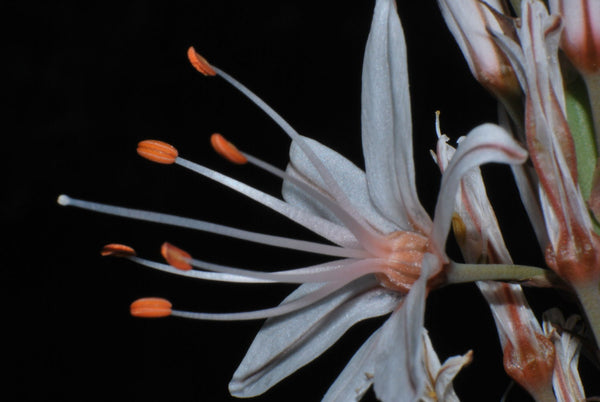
(462, 273)
(589, 297)
(592, 82)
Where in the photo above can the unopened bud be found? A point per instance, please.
(470, 22)
(581, 34)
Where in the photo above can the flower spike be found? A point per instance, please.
(200, 63)
(157, 151)
(227, 150)
(150, 307)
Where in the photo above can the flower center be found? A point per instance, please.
(403, 263)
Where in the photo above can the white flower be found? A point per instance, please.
(390, 253)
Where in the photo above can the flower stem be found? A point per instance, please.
(461, 273)
(589, 297)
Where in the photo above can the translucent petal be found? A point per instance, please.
(400, 371)
(357, 376)
(286, 343)
(349, 176)
(386, 123)
(484, 144)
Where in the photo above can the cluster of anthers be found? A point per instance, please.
(394, 258)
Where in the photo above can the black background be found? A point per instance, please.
(89, 80)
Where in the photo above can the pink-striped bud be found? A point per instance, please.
(471, 22)
(581, 35)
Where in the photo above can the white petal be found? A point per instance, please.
(469, 22)
(350, 178)
(357, 376)
(386, 123)
(400, 371)
(286, 343)
(439, 377)
(484, 144)
(482, 231)
(309, 220)
(449, 370)
(566, 380)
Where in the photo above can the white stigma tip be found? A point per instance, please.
(63, 200)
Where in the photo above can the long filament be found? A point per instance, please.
(173, 220)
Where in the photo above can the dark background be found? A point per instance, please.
(89, 80)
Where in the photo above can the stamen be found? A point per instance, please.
(227, 150)
(150, 307)
(203, 275)
(157, 151)
(326, 201)
(348, 219)
(329, 230)
(332, 271)
(363, 232)
(335, 271)
(200, 63)
(166, 219)
(282, 309)
(176, 257)
(117, 250)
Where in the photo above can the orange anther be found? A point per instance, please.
(200, 63)
(227, 150)
(157, 151)
(150, 307)
(176, 257)
(117, 250)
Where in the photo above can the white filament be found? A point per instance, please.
(367, 237)
(173, 220)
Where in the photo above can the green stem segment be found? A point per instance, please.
(462, 273)
(589, 297)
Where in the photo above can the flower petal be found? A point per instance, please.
(481, 239)
(443, 383)
(351, 179)
(284, 344)
(400, 371)
(439, 379)
(357, 376)
(386, 123)
(484, 144)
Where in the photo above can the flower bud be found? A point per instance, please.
(470, 22)
(581, 35)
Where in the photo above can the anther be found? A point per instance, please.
(150, 307)
(227, 150)
(117, 250)
(157, 151)
(176, 257)
(200, 63)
